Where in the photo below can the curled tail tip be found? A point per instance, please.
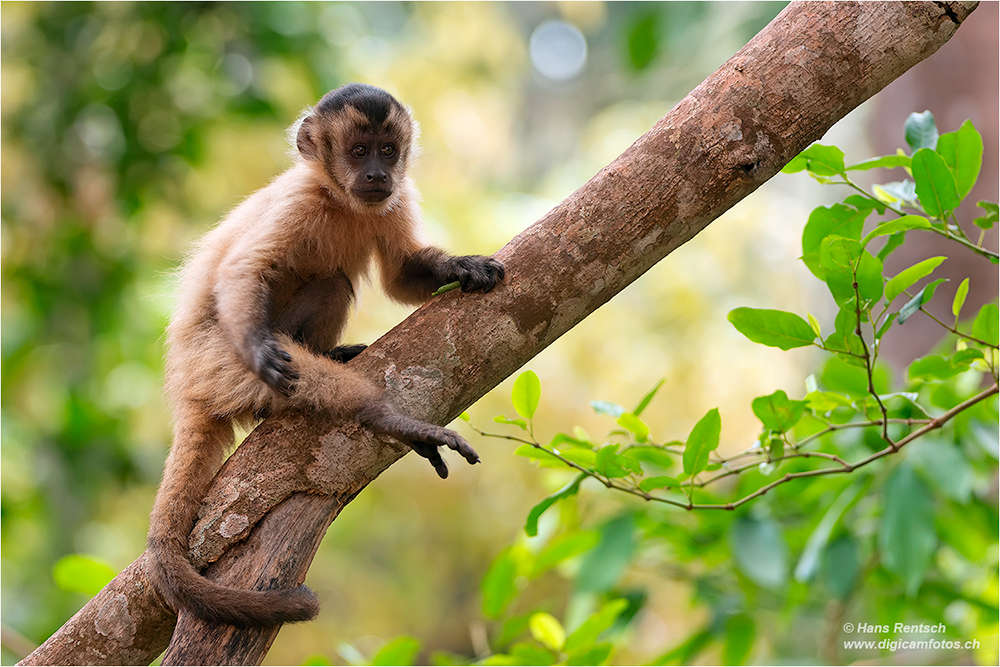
(302, 604)
(184, 588)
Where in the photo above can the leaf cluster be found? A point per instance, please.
(854, 526)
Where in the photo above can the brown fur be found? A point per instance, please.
(262, 305)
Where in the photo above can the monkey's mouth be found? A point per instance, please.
(373, 195)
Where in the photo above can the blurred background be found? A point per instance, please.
(129, 129)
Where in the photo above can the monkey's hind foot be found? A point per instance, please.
(344, 353)
(431, 437)
(423, 438)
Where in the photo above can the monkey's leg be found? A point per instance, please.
(199, 444)
(316, 314)
(339, 390)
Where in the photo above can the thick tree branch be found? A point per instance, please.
(807, 69)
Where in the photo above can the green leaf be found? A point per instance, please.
(943, 465)
(992, 215)
(635, 425)
(985, 325)
(934, 367)
(658, 482)
(776, 448)
(526, 394)
(896, 191)
(531, 525)
(963, 153)
(400, 651)
(499, 586)
(844, 337)
(598, 654)
(845, 262)
(606, 408)
(837, 220)
(814, 324)
(905, 223)
(777, 412)
(605, 564)
(704, 438)
(652, 454)
(610, 464)
(824, 160)
(907, 539)
(520, 423)
(935, 183)
(759, 551)
(774, 328)
(740, 634)
(886, 161)
(865, 203)
(826, 401)
(891, 244)
(530, 654)
(920, 131)
(960, 294)
(446, 288)
(922, 297)
(907, 277)
(563, 548)
(643, 40)
(688, 649)
(841, 566)
(647, 398)
(885, 325)
(465, 416)
(560, 439)
(540, 455)
(78, 573)
(820, 537)
(597, 623)
(547, 630)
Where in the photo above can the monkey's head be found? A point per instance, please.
(362, 137)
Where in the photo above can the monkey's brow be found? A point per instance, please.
(365, 132)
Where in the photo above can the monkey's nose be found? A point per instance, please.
(376, 176)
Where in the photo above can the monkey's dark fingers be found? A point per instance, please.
(272, 364)
(430, 452)
(476, 272)
(344, 353)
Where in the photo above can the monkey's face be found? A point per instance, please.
(372, 162)
(363, 144)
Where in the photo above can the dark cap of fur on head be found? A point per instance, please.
(374, 103)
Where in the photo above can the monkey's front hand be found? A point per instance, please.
(272, 364)
(475, 272)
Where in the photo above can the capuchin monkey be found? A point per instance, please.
(263, 302)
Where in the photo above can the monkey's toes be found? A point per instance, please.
(457, 443)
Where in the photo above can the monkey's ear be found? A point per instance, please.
(306, 139)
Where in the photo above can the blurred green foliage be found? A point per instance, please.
(130, 128)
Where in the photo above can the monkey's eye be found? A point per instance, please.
(388, 150)
(359, 151)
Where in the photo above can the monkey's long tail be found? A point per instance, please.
(199, 444)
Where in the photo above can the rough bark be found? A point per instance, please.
(807, 69)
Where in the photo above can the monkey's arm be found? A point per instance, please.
(412, 272)
(243, 303)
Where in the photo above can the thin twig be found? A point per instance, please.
(842, 467)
